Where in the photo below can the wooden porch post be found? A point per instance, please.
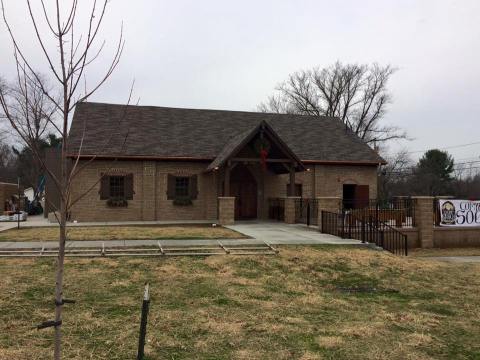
(226, 181)
(292, 180)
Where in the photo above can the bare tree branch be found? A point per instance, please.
(69, 68)
(356, 94)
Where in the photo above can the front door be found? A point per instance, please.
(244, 187)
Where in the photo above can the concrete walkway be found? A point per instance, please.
(281, 233)
(274, 233)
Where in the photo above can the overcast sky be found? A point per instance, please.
(231, 55)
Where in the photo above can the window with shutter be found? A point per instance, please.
(104, 187)
(182, 187)
(170, 187)
(129, 187)
(117, 186)
(193, 189)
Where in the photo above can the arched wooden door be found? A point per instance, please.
(244, 187)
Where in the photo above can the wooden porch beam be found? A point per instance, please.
(226, 181)
(255, 160)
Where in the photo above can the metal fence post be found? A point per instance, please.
(342, 217)
(308, 213)
(143, 322)
(406, 245)
(363, 231)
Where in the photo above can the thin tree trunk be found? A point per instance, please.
(63, 233)
(59, 279)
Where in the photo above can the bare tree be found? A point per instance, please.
(68, 64)
(32, 110)
(395, 176)
(34, 116)
(7, 164)
(357, 94)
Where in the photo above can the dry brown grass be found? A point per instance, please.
(446, 252)
(226, 307)
(121, 233)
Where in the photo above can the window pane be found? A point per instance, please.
(181, 186)
(117, 186)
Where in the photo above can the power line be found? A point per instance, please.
(413, 167)
(410, 171)
(469, 158)
(467, 162)
(446, 148)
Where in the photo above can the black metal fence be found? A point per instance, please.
(306, 211)
(371, 230)
(332, 223)
(276, 209)
(397, 212)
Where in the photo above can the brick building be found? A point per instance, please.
(156, 163)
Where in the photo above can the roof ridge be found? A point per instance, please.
(217, 110)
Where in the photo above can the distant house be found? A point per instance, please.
(158, 163)
(8, 196)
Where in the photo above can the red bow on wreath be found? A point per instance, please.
(263, 158)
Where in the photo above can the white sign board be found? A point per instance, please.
(459, 212)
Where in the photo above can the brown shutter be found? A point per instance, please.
(193, 190)
(171, 187)
(361, 196)
(104, 187)
(129, 187)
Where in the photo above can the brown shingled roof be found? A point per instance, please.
(161, 132)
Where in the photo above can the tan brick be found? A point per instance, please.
(150, 198)
(424, 220)
(150, 185)
(290, 209)
(226, 210)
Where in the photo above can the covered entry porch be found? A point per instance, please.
(248, 169)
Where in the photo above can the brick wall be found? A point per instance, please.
(203, 208)
(150, 185)
(91, 208)
(322, 181)
(226, 210)
(448, 237)
(150, 192)
(329, 179)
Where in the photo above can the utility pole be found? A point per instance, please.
(18, 203)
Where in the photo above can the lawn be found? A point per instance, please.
(121, 233)
(445, 252)
(289, 306)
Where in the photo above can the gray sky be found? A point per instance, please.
(231, 54)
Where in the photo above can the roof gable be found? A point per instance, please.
(239, 142)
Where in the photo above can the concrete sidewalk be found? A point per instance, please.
(274, 233)
(280, 233)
